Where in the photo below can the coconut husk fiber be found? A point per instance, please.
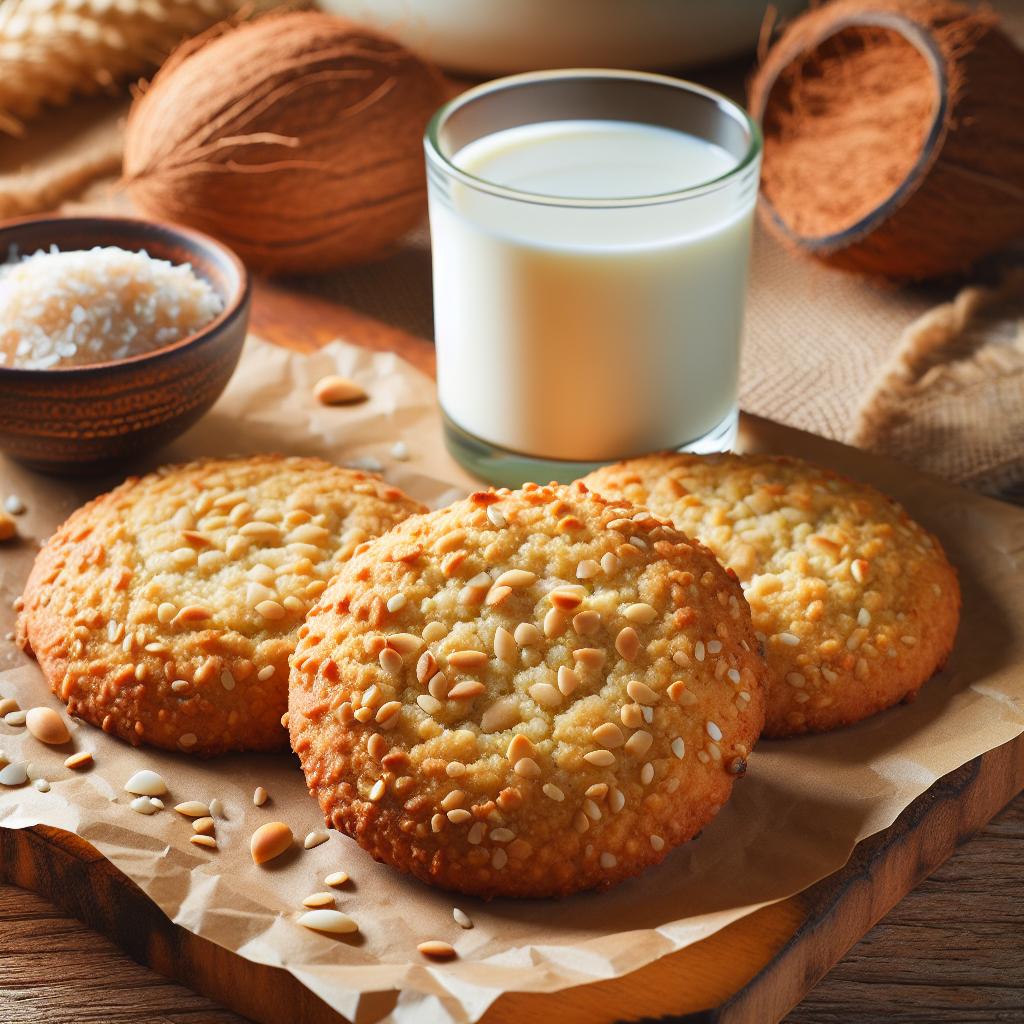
(894, 136)
(950, 397)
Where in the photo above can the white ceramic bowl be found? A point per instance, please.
(497, 37)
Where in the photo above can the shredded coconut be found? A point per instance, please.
(93, 306)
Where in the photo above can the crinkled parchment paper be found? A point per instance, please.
(794, 819)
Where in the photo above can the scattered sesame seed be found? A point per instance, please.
(587, 569)
(496, 517)
(396, 602)
(713, 731)
(315, 838)
(714, 646)
(462, 919)
(608, 860)
(14, 505)
(400, 451)
(678, 747)
(647, 774)
(734, 676)
(436, 949)
(319, 899)
(259, 796)
(193, 809)
(336, 878)
(600, 758)
(698, 650)
(657, 843)
(551, 791)
(331, 921)
(789, 639)
(42, 785)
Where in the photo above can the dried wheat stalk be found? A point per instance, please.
(51, 50)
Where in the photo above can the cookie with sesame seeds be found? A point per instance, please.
(165, 611)
(504, 697)
(856, 604)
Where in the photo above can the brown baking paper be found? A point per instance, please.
(794, 819)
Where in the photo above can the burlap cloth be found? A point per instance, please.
(933, 375)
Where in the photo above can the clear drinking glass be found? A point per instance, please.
(574, 330)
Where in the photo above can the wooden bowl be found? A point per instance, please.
(85, 419)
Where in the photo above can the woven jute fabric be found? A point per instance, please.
(824, 351)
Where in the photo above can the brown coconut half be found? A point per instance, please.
(893, 136)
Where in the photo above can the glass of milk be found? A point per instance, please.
(591, 237)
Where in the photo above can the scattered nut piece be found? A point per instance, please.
(203, 826)
(336, 878)
(47, 726)
(437, 949)
(7, 528)
(259, 797)
(270, 841)
(146, 783)
(336, 390)
(315, 838)
(83, 759)
(42, 785)
(203, 840)
(144, 805)
(319, 899)
(462, 919)
(332, 921)
(216, 808)
(193, 809)
(16, 718)
(7, 705)
(13, 775)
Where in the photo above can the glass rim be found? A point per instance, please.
(437, 156)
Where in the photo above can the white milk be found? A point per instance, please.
(589, 333)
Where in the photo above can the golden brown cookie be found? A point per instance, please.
(855, 603)
(526, 694)
(165, 610)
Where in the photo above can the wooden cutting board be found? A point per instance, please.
(755, 970)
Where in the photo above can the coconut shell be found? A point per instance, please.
(894, 136)
(296, 140)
